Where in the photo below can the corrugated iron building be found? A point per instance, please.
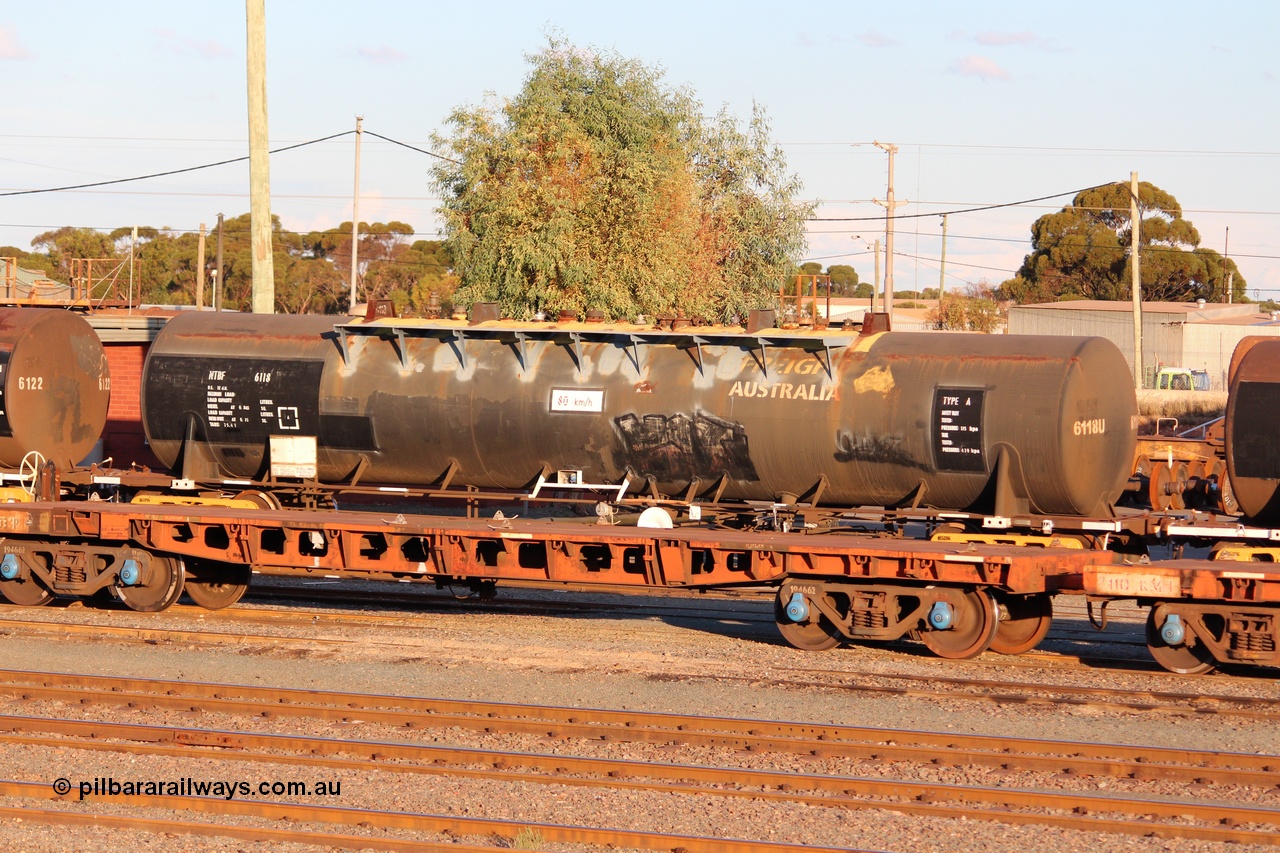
(1174, 334)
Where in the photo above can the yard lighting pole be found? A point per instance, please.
(889, 206)
(355, 216)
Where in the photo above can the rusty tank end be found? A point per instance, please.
(54, 386)
(1253, 410)
(943, 420)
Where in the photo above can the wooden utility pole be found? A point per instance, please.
(1226, 253)
(200, 270)
(264, 289)
(889, 206)
(942, 275)
(218, 284)
(1135, 220)
(355, 216)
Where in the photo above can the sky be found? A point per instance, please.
(988, 103)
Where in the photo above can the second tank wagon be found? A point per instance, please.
(55, 387)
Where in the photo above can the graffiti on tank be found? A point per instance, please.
(681, 446)
(886, 449)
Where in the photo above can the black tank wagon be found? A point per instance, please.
(956, 421)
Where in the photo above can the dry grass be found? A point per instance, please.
(1190, 408)
(1183, 405)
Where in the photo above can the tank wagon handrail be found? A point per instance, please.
(625, 337)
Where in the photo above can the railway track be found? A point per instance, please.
(1206, 820)
(749, 611)
(748, 607)
(389, 820)
(198, 627)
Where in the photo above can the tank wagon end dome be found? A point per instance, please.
(55, 386)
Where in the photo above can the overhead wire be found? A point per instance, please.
(281, 150)
(881, 217)
(171, 171)
(876, 218)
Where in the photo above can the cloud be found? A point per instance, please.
(804, 41)
(383, 55)
(979, 66)
(178, 44)
(990, 39)
(874, 39)
(10, 47)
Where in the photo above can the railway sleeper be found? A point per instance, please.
(1193, 637)
(952, 621)
(33, 572)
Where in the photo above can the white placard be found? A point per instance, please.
(293, 456)
(575, 400)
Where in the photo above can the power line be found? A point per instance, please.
(222, 163)
(171, 171)
(1069, 149)
(414, 148)
(963, 210)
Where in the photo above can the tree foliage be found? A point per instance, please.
(63, 245)
(1084, 251)
(844, 281)
(974, 310)
(599, 187)
(312, 270)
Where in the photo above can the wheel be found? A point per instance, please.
(815, 634)
(973, 627)
(25, 592)
(214, 586)
(1189, 658)
(1159, 486)
(1216, 471)
(1179, 487)
(262, 500)
(1024, 620)
(159, 592)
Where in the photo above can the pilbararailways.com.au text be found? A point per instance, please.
(108, 786)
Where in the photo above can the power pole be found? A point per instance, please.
(889, 206)
(877, 282)
(355, 216)
(133, 245)
(1226, 253)
(1135, 219)
(942, 274)
(264, 279)
(200, 270)
(218, 285)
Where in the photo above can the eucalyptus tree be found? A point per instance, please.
(599, 186)
(1085, 251)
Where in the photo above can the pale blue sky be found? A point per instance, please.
(989, 103)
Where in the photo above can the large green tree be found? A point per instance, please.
(600, 187)
(1084, 251)
(63, 245)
